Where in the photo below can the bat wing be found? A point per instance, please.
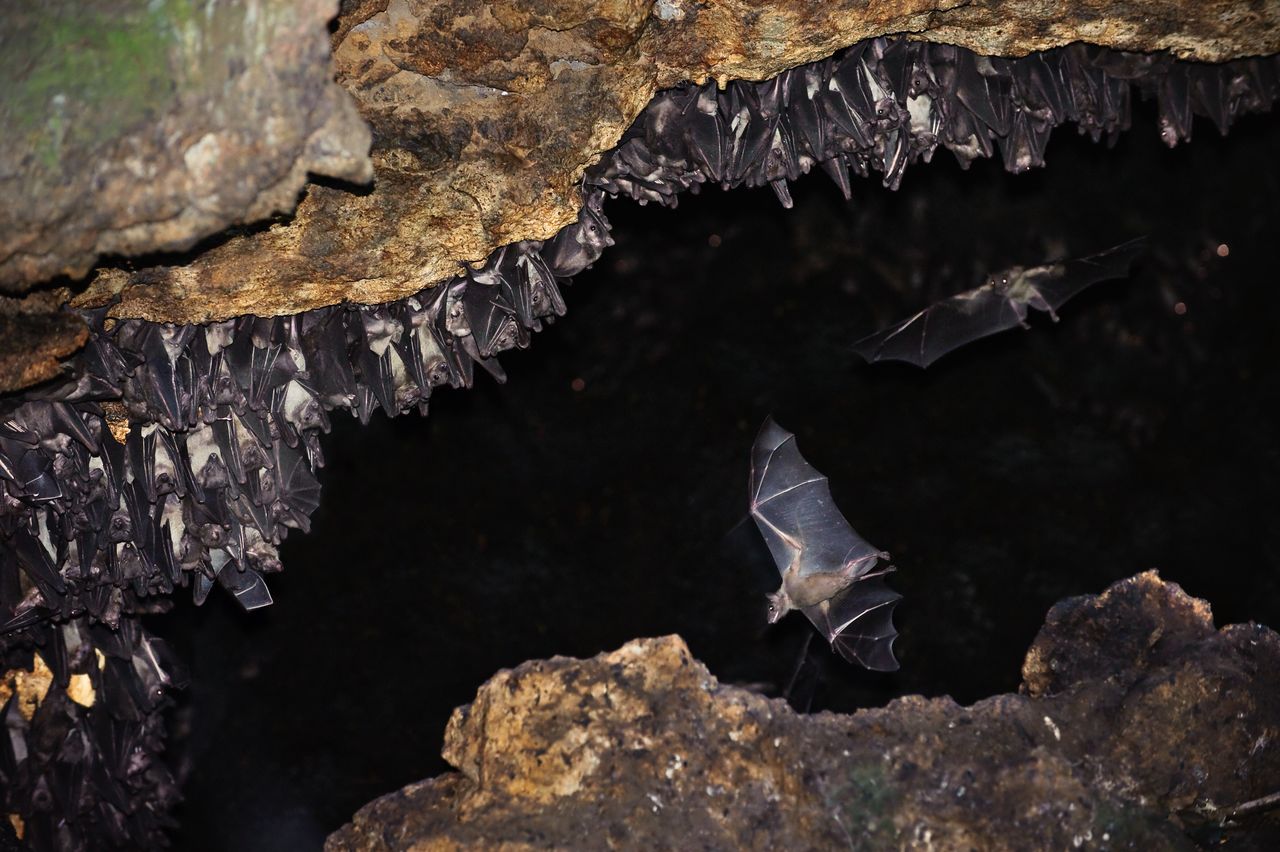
(999, 304)
(858, 623)
(948, 325)
(248, 586)
(1060, 281)
(791, 504)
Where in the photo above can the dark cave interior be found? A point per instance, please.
(599, 495)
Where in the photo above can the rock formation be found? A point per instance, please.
(1137, 721)
(486, 116)
(133, 127)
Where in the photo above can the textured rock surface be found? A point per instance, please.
(137, 127)
(1134, 709)
(36, 335)
(485, 116)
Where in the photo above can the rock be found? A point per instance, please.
(35, 335)
(135, 127)
(485, 115)
(642, 748)
(1129, 627)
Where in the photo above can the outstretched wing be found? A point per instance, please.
(999, 304)
(940, 328)
(1072, 276)
(858, 623)
(792, 506)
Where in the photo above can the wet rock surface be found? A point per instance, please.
(1149, 710)
(485, 117)
(143, 127)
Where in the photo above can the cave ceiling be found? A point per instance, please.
(483, 116)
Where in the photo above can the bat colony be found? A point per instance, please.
(222, 444)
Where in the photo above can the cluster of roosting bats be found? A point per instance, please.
(180, 456)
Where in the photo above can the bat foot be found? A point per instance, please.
(888, 569)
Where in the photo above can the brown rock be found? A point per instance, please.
(36, 334)
(1130, 626)
(486, 114)
(642, 748)
(136, 127)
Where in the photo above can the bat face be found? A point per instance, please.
(826, 567)
(1000, 303)
(778, 607)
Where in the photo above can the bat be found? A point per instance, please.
(491, 315)
(1000, 303)
(826, 567)
(379, 330)
(580, 244)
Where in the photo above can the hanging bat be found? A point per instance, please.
(827, 568)
(999, 304)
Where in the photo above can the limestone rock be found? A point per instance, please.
(485, 115)
(642, 748)
(134, 127)
(35, 335)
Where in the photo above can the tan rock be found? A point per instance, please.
(486, 114)
(30, 686)
(642, 748)
(36, 334)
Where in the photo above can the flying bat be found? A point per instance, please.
(827, 568)
(1000, 303)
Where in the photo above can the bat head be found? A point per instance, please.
(779, 605)
(1001, 282)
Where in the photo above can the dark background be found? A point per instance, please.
(534, 519)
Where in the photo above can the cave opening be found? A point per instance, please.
(599, 495)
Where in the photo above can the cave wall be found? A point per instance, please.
(483, 125)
